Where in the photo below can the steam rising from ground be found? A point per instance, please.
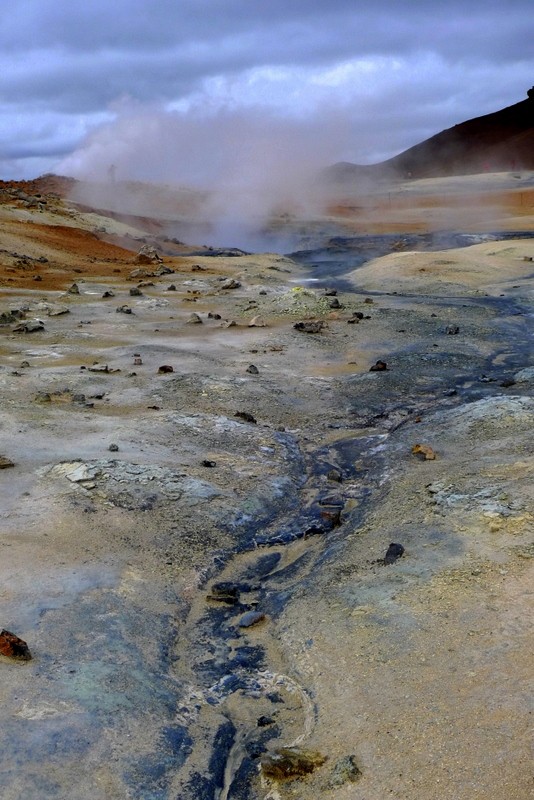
(245, 167)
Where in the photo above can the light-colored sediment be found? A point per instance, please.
(421, 669)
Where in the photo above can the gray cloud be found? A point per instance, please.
(435, 64)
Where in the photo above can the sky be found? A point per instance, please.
(193, 90)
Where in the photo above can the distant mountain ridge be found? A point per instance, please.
(496, 142)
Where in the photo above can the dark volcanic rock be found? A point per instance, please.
(309, 327)
(394, 552)
(380, 366)
(245, 416)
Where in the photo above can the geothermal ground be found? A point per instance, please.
(198, 498)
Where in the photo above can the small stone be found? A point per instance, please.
(369, 300)
(124, 310)
(230, 283)
(263, 721)
(108, 293)
(229, 324)
(29, 326)
(253, 370)
(344, 771)
(334, 303)
(171, 288)
(211, 315)
(74, 289)
(452, 330)
(251, 618)
(6, 462)
(334, 475)
(424, 452)
(165, 368)
(194, 319)
(137, 361)
(290, 762)
(207, 463)
(245, 416)
(24, 364)
(148, 255)
(380, 366)
(309, 327)
(393, 553)
(13, 647)
(330, 293)
(135, 291)
(113, 448)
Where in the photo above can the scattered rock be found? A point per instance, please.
(138, 361)
(393, 553)
(140, 273)
(148, 255)
(6, 462)
(290, 762)
(211, 315)
(113, 448)
(334, 303)
(171, 288)
(253, 370)
(309, 327)
(124, 310)
(207, 463)
(165, 368)
(334, 475)
(230, 283)
(229, 324)
(452, 330)
(330, 293)
(263, 721)
(251, 618)
(369, 300)
(380, 366)
(108, 293)
(423, 452)
(245, 416)
(194, 319)
(344, 771)
(29, 326)
(13, 647)
(74, 289)
(135, 291)
(8, 317)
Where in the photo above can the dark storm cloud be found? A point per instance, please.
(72, 58)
